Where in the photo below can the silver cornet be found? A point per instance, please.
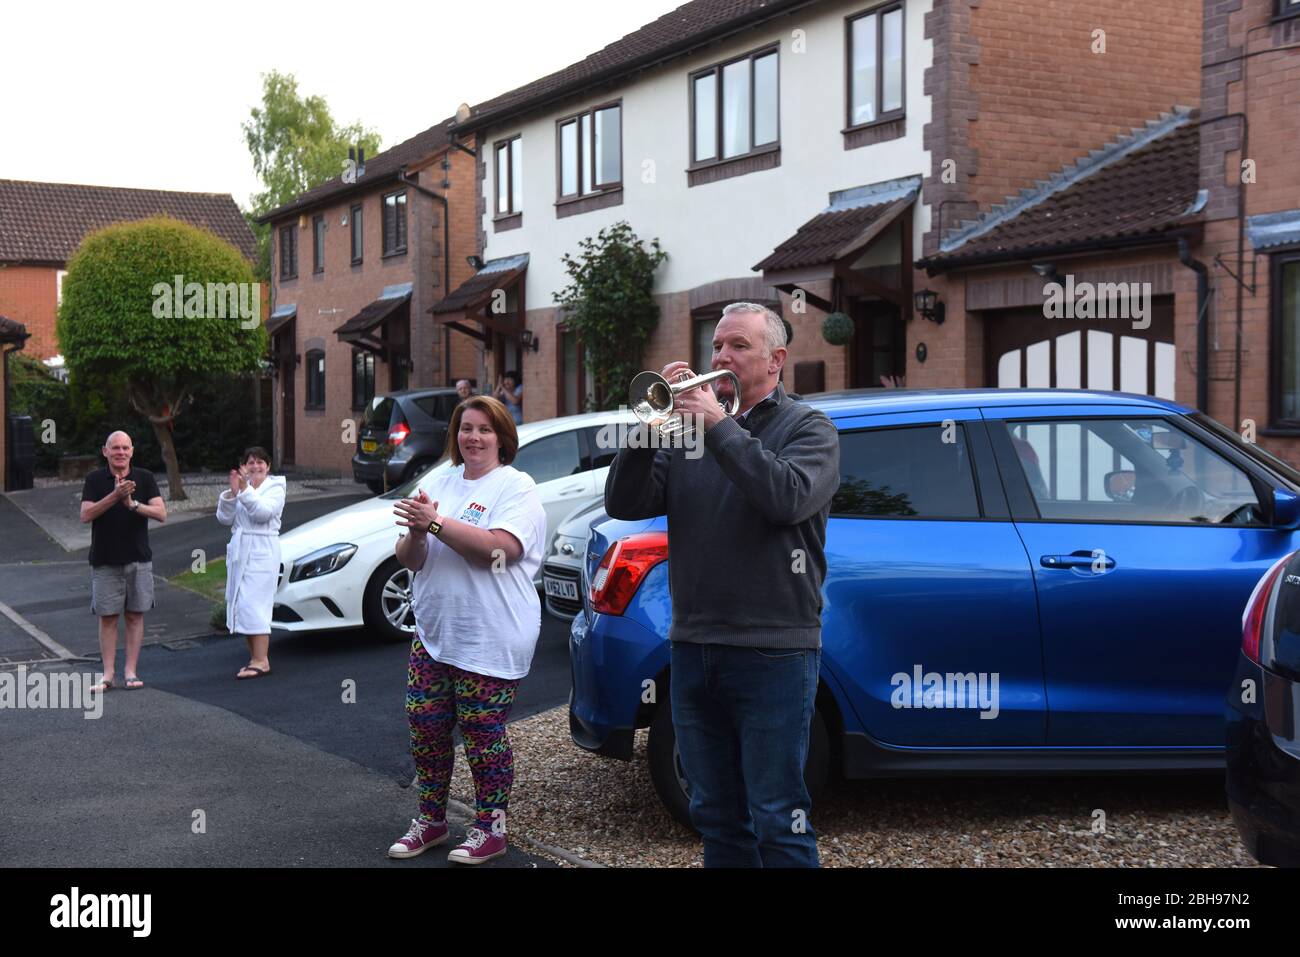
(652, 398)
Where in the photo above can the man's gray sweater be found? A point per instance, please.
(746, 523)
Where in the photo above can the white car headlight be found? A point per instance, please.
(322, 561)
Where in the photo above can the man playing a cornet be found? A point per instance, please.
(746, 539)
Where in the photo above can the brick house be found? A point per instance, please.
(808, 155)
(356, 264)
(1251, 246)
(42, 224)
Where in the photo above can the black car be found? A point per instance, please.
(402, 434)
(1263, 747)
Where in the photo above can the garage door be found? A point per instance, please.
(1024, 349)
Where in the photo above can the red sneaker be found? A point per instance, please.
(479, 846)
(422, 836)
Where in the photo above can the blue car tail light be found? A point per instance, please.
(624, 567)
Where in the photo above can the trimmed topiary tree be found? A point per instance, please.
(151, 308)
(837, 329)
(609, 304)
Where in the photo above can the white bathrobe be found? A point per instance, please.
(253, 555)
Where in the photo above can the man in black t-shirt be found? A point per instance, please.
(118, 501)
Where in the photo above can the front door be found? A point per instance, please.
(879, 341)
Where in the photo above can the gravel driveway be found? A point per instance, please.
(607, 812)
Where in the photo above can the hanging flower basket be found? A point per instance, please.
(837, 329)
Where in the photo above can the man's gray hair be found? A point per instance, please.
(109, 441)
(774, 331)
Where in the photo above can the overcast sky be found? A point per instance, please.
(152, 94)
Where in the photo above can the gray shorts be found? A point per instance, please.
(118, 588)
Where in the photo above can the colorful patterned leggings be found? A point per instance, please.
(440, 696)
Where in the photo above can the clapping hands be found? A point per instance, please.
(416, 513)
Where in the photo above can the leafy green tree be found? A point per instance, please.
(128, 325)
(296, 144)
(609, 304)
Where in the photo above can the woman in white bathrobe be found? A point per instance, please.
(252, 507)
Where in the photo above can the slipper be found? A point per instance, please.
(102, 687)
(260, 673)
(134, 684)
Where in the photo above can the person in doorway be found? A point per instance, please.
(252, 507)
(464, 389)
(511, 394)
(118, 501)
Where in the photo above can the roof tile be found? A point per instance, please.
(46, 222)
(378, 166)
(1150, 190)
(675, 32)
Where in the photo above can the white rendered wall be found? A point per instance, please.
(718, 230)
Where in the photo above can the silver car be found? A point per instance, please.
(562, 567)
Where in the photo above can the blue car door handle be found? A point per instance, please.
(1079, 559)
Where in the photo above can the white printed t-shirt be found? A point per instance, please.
(468, 615)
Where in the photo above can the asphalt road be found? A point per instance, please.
(287, 773)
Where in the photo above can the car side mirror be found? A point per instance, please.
(1286, 509)
(1119, 485)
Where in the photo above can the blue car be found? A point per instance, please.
(1018, 581)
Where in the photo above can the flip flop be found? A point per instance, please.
(134, 684)
(260, 673)
(102, 687)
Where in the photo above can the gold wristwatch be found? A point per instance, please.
(434, 528)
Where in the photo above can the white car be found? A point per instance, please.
(339, 570)
(562, 567)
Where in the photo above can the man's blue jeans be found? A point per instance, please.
(742, 718)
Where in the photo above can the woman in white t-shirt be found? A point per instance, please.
(475, 545)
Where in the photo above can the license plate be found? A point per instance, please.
(369, 445)
(560, 588)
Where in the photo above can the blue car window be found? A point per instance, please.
(913, 472)
(1129, 470)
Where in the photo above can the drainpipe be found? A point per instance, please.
(446, 258)
(1202, 329)
(1244, 58)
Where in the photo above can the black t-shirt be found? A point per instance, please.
(120, 536)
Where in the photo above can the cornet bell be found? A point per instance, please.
(652, 398)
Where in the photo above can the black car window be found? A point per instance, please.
(913, 472)
(437, 406)
(1130, 470)
(446, 406)
(379, 412)
(550, 458)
